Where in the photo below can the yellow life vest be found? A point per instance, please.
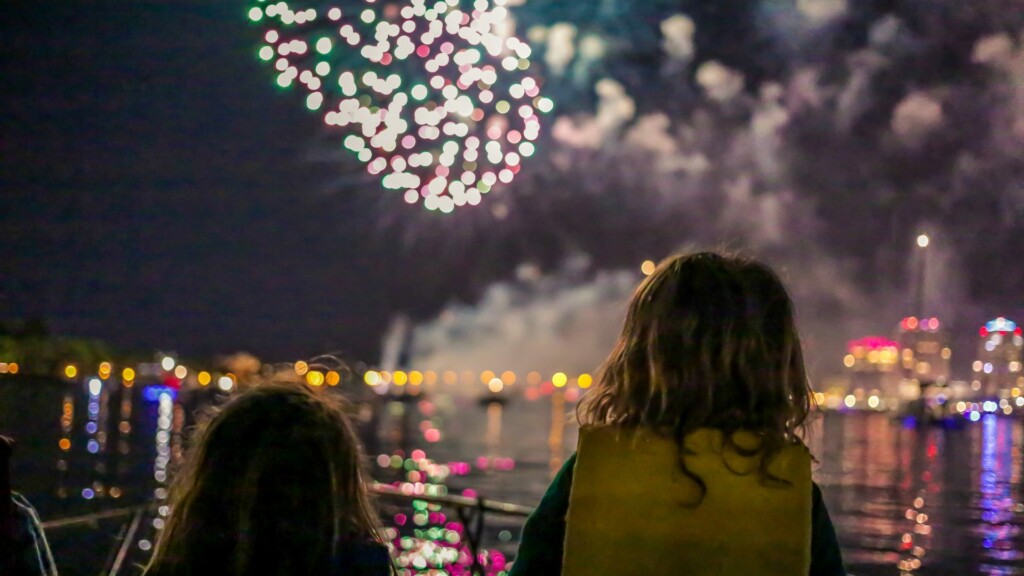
(632, 511)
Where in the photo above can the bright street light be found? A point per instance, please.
(923, 240)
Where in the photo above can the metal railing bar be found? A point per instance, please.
(92, 518)
(455, 501)
(126, 543)
(385, 490)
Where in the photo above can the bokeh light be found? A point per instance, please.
(332, 378)
(315, 378)
(436, 99)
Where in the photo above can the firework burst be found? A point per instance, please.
(436, 100)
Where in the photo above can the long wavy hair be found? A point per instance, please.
(709, 341)
(273, 484)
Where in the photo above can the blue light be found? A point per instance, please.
(153, 393)
(91, 427)
(93, 446)
(1001, 325)
(88, 493)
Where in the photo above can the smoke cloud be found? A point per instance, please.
(820, 135)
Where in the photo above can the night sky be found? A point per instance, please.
(156, 192)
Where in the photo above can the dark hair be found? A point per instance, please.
(709, 341)
(273, 484)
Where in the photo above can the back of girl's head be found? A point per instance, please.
(272, 485)
(709, 341)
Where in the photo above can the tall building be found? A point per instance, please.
(872, 364)
(924, 351)
(997, 369)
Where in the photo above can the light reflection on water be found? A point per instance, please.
(905, 499)
(924, 500)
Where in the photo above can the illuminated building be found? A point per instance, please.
(997, 368)
(872, 364)
(924, 351)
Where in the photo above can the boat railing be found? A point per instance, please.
(6, 504)
(471, 511)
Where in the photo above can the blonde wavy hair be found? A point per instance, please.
(709, 341)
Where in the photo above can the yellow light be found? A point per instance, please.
(105, 369)
(873, 357)
(415, 378)
(648, 267)
(508, 377)
(450, 377)
(849, 361)
(1015, 392)
(301, 368)
(315, 378)
(400, 378)
(332, 378)
(496, 385)
(128, 374)
(873, 401)
(533, 378)
(976, 365)
(204, 378)
(486, 376)
(430, 377)
(12, 368)
(70, 370)
(819, 398)
(372, 378)
(559, 379)
(850, 401)
(3, 368)
(585, 381)
(180, 372)
(64, 444)
(946, 353)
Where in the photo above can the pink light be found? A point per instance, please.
(423, 51)
(872, 343)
